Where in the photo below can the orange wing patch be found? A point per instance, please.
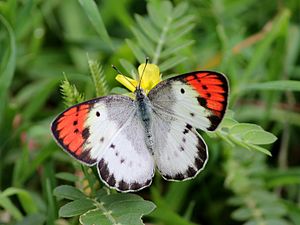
(213, 93)
(70, 131)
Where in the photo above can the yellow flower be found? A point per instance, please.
(151, 77)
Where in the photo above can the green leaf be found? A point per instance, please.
(183, 22)
(294, 211)
(275, 210)
(130, 69)
(278, 85)
(36, 219)
(252, 222)
(148, 28)
(180, 9)
(68, 192)
(259, 137)
(228, 123)
(125, 209)
(171, 62)
(276, 221)
(66, 176)
(175, 36)
(264, 46)
(7, 66)
(241, 128)
(160, 36)
(261, 149)
(138, 53)
(143, 41)
(25, 198)
(155, 16)
(76, 208)
(171, 50)
(277, 178)
(242, 214)
(7, 204)
(94, 16)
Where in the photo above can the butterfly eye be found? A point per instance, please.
(182, 91)
(97, 113)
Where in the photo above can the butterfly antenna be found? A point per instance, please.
(147, 61)
(119, 72)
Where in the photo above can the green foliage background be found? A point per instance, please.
(48, 47)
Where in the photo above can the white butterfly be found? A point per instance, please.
(127, 137)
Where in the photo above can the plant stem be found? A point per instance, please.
(161, 41)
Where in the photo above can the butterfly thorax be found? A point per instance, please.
(144, 112)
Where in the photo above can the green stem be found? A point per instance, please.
(161, 41)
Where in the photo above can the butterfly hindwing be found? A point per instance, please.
(105, 131)
(180, 152)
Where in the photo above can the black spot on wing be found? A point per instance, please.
(215, 121)
(103, 169)
(167, 177)
(85, 157)
(189, 126)
(111, 180)
(202, 101)
(135, 186)
(123, 186)
(86, 133)
(191, 172)
(202, 154)
(179, 176)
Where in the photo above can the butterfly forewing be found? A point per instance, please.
(199, 98)
(71, 132)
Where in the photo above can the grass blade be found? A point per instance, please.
(94, 16)
(7, 66)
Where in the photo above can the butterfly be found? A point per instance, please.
(128, 138)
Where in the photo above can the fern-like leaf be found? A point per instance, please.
(97, 74)
(161, 34)
(70, 93)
